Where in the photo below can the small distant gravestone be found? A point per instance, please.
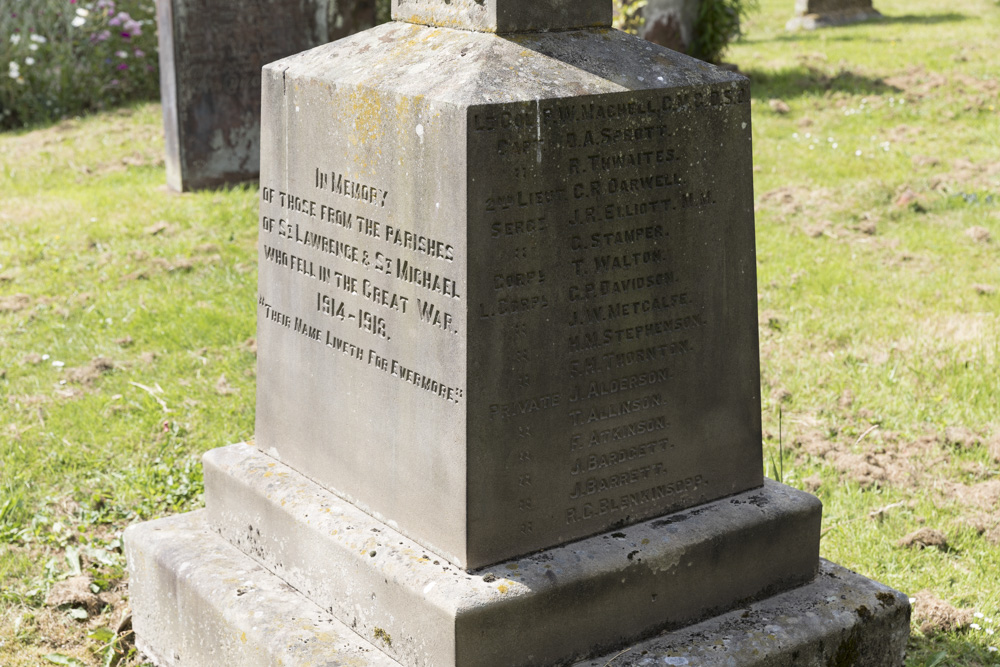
(812, 14)
(670, 23)
(211, 54)
(508, 386)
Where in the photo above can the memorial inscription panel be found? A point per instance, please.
(503, 326)
(616, 277)
(362, 302)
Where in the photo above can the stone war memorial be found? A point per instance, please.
(508, 407)
(812, 14)
(211, 54)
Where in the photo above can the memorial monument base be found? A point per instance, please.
(340, 588)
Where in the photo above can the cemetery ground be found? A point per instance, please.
(127, 328)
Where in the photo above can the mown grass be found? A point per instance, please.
(877, 153)
(126, 351)
(879, 298)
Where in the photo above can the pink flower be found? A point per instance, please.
(139, 53)
(122, 66)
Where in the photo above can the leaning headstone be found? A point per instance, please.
(812, 14)
(508, 382)
(211, 53)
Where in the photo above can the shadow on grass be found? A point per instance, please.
(923, 19)
(804, 80)
(830, 32)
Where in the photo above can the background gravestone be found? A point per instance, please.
(670, 23)
(811, 14)
(508, 400)
(211, 54)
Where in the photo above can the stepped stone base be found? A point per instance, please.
(832, 19)
(278, 570)
(198, 601)
(601, 592)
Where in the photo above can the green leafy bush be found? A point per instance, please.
(383, 11)
(63, 57)
(719, 23)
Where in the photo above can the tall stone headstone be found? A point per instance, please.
(211, 54)
(812, 14)
(508, 383)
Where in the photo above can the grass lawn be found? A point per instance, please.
(127, 325)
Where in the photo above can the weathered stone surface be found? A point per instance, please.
(503, 16)
(198, 602)
(839, 619)
(812, 14)
(601, 592)
(507, 284)
(211, 54)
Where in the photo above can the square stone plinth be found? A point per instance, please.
(601, 592)
(199, 602)
(507, 284)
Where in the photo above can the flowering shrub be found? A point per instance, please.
(61, 57)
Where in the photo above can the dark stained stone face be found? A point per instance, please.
(505, 16)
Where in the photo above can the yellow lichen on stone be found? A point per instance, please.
(365, 108)
(383, 635)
